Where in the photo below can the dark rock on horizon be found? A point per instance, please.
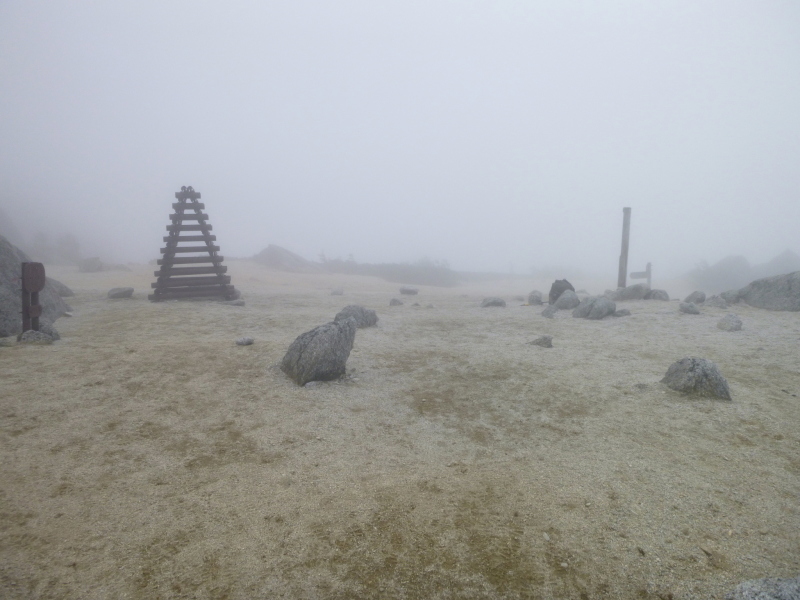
(594, 308)
(567, 300)
(493, 301)
(320, 354)
(559, 287)
(409, 291)
(363, 317)
(697, 376)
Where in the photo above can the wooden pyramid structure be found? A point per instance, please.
(198, 271)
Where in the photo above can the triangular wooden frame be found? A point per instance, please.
(198, 280)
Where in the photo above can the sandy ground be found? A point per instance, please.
(145, 455)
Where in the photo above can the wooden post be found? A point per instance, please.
(623, 258)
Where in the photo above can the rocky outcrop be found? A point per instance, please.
(594, 308)
(559, 287)
(320, 354)
(363, 317)
(697, 376)
(774, 293)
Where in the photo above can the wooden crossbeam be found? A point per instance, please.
(190, 238)
(184, 249)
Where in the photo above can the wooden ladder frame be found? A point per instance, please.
(196, 281)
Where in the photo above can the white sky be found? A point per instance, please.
(488, 134)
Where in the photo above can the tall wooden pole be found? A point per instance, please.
(623, 257)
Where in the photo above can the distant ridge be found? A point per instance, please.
(282, 259)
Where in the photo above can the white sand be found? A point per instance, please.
(145, 455)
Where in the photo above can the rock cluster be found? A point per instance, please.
(595, 308)
(558, 288)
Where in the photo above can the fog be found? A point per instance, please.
(498, 136)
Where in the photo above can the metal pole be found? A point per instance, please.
(623, 258)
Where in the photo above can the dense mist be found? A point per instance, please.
(497, 136)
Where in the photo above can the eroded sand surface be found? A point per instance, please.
(145, 455)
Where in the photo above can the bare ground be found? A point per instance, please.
(145, 455)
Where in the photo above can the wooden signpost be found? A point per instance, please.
(33, 280)
(646, 274)
(198, 272)
(623, 257)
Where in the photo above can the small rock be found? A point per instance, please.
(696, 297)
(717, 302)
(690, 308)
(730, 322)
(120, 292)
(395, 302)
(320, 354)
(48, 329)
(244, 341)
(364, 317)
(622, 312)
(697, 376)
(545, 341)
(492, 301)
(535, 298)
(337, 291)
(550, 311)
(409, 291)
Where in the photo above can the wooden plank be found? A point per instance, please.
(203, 227)
(173, 282)
(191, 271)
(178, 205)
(184, 249)
(185, 260)
(189, 217)
(190, 238)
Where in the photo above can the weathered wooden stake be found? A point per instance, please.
(33, 281)
(623, 258)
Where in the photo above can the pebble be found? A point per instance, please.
(244, 341)
(546, 537)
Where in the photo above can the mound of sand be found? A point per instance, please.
(146, 455)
